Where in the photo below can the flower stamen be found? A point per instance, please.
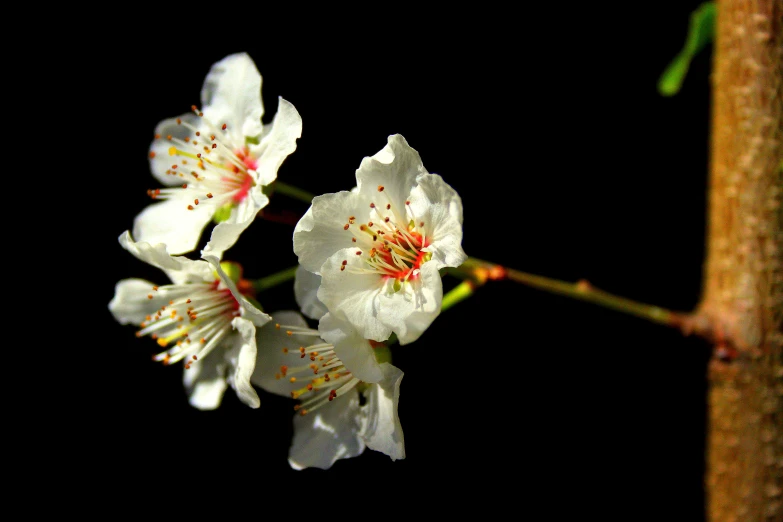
(209, 309)
(225, 166)
(392, 250)
(332, 379)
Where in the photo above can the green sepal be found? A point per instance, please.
(222, 213)
(701, 31)
(382, 353)
(232, 270)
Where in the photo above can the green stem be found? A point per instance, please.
(457, 294)
(294, 192)
(584, 291)
(259, 285)
(581, 290)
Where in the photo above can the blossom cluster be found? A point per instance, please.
(368, 273)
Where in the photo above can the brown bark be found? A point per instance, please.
(743, 286)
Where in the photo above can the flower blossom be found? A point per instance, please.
(201, 319)
(378, 247)
(341, 410)
(215, 161)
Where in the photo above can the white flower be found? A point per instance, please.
(378, 248)
(216, 160)
(200, 319)
(340, 411)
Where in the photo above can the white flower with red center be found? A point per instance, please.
(200, 319)
(216, 161)
(378, 248)
(344, 405)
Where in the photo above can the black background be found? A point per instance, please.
(570, 165)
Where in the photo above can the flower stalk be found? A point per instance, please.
(265, 283)
(457, 294)
(293, 192)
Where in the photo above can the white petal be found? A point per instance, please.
(442, 218)
(130, 303)
(172, 223)
(225, 234)
(223, 237)
(232, 95)
(395, 168)
(306, 286)
(246, 210)
(246, 308)
(411, 310)
(278, 144)
(351, 348)
(355, 296)
(321, 231)
(161, 161)
(382, 430)
(446, 247)
(439, 192)
(328, 434)
(178, 268)
(270, 342)
(205, 382)
(242, 361)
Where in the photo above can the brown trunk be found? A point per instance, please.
(743, 287)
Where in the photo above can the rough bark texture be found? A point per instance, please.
(743, 287)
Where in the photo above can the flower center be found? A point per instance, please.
(214, 166)
(324, 379)
(247, 181)
(196, 318)
(391, 244)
